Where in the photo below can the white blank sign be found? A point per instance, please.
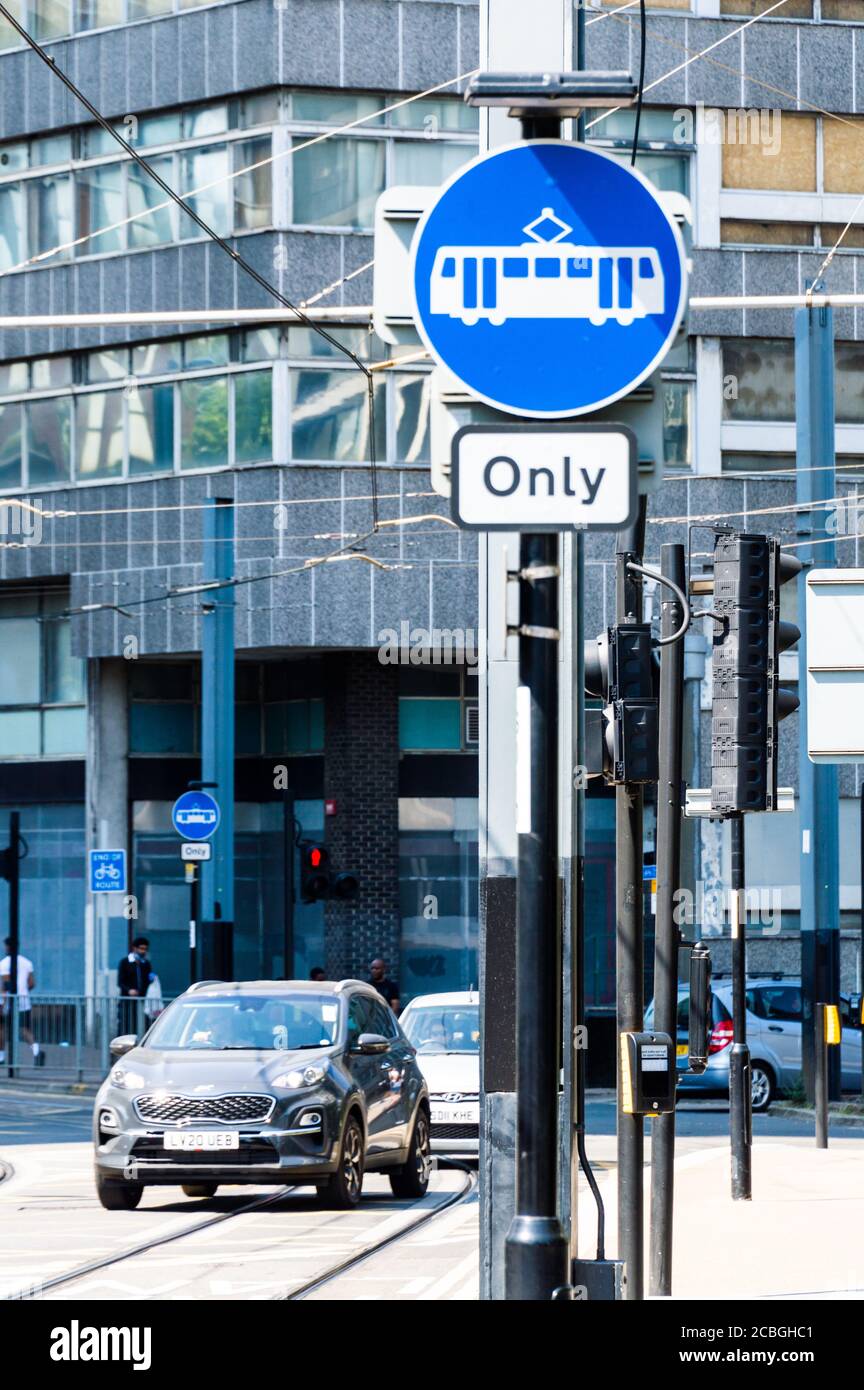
(835, 665)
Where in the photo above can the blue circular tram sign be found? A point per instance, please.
(196, 815)
(548, 278)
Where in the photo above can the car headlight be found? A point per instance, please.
(300, 1077)
(127, 1080)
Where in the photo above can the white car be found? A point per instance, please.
(445, 1030)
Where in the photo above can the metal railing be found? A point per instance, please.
(73, 1033)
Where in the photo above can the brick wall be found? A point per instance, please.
(361, 772)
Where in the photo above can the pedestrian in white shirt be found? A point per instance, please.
(26, 982)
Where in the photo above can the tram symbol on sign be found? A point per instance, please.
(547, 278)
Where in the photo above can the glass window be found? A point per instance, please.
(668, 172)
(107, 366)
(99, 443)
(359, 1018)
(253, 417)
(161, 680)
(8, 36)
(436, 113)
(98, 14)
(19, 733)
(781, 1002)
(330, 416)
(143, 9)
(51, 18)
(146, 197)
(335, 108)
(307, 342)
(159, 130)
(294, 726)
(830, 234)
(260, 345)
(757, 463)
(11, 225)
(50, 149)
(99, 193)
(758, 379)
(733, 231)
(253, 198)
(161, 728)
(757, 164)
(204, 422)
(206, 120)
(428, 161)
(50, 441)
(13, 378)
(13, 155)
(676, 424)
(11, 420)
(64, 673)
(337, 182)
(841, 9)
(20, 679)
(259, 108)
(211, 351)
(411, 409)
(151, 429)
(430, 724)
(793, 9)
(207, 169)
(51, 371)
(438, 863)
(49, 212)
(64, 731)
(156, 359)
(849, 383)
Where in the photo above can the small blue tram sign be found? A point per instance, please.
(196, 815)
(548, 278)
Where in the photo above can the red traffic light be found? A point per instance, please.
(315, 857)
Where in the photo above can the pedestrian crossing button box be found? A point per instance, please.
(647, 1073)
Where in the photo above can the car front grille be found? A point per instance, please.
(455, 1131)
(224, 1110)
(251, 1153)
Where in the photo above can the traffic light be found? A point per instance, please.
(318, 881)
(621, 739)
(314, 872)
(747, 701)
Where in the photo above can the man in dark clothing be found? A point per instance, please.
(134, 974)
(388, 989)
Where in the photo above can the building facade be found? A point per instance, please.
(283, 120)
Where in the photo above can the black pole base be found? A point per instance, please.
(536, 1259)
(740, 1122)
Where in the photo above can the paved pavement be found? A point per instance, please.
(798, 1238)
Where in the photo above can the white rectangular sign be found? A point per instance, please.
(835, 665)
(544, 477)
(195, 852)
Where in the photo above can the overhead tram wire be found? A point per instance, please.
(641, 91)
(220, 241)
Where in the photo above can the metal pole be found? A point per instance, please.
(861, 946)
(629, 955)
(217, 739)
(288, 877)
(14, 933)
(536, 1259)
(667, 936)
(820, 1052)
(818, 785)
(739, 1060)
(192, 879)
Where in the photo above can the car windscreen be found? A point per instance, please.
(269, 1023)
(443, 1028)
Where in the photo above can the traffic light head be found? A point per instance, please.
(314, 872)
(621, 739)
(747, 702)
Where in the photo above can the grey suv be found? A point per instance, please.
(263, 1082)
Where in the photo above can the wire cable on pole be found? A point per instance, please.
(641, 92)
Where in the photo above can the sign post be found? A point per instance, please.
(195, 815)
(549, 281)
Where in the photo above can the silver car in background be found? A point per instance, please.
(445, 1030)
